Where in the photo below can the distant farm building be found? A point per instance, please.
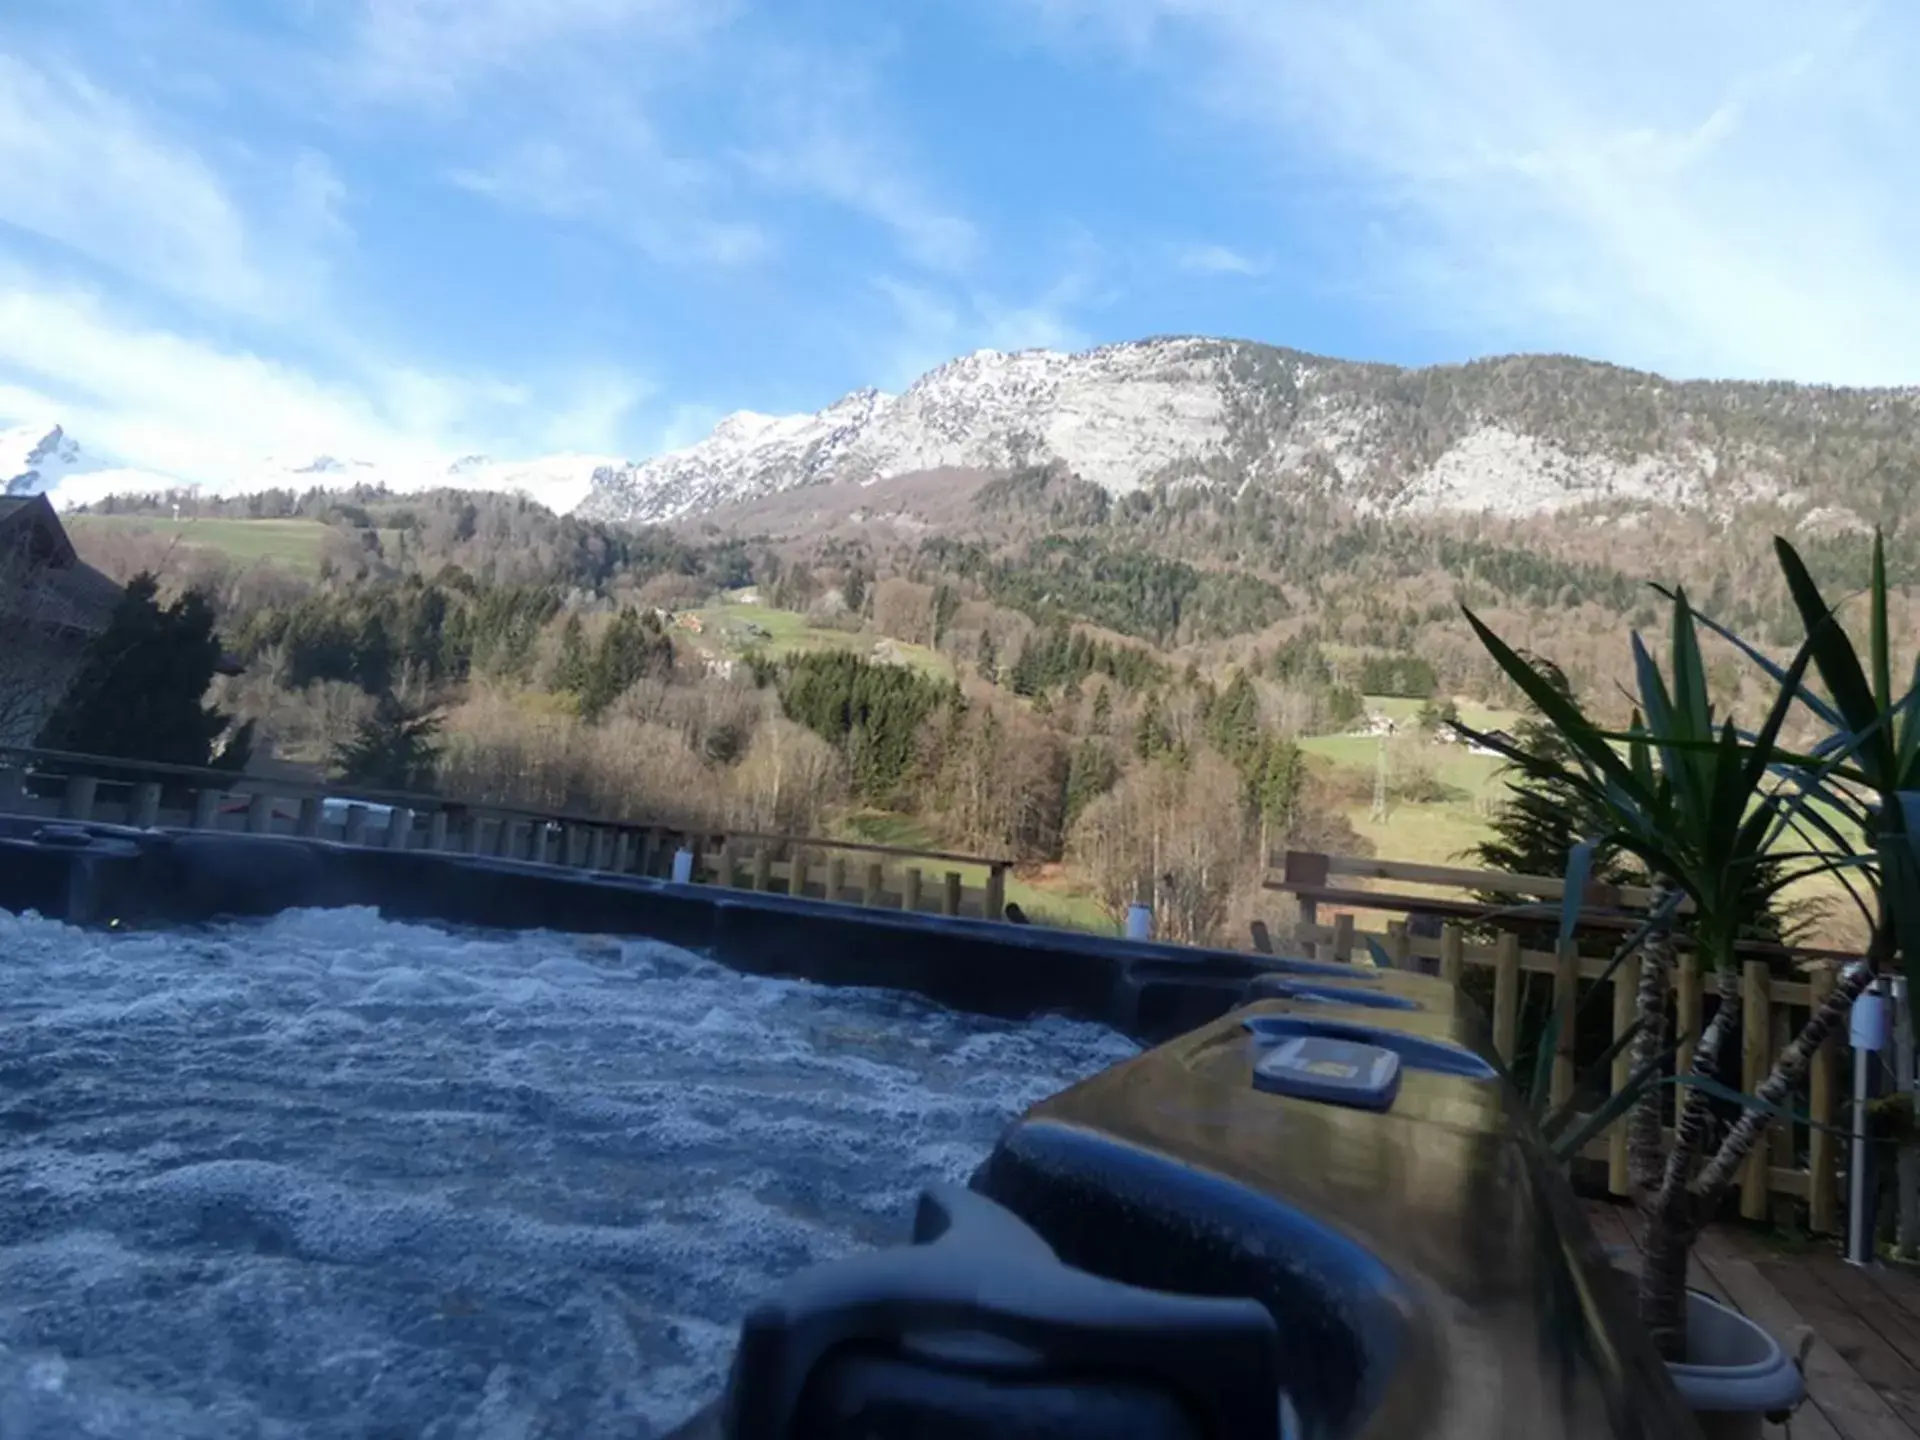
(1499, 737)
(51, 605)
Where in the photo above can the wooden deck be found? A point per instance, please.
(1863, 1370)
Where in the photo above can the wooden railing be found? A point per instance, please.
(69, 787)
(1799, 1162)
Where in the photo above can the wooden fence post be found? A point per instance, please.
(206, 809)
(1566, 1004)
(762, 868)
(1343, 937)
(622, 851)
(308, 821)
(1822, 1176)
(145, 813)
(915, 881)
(13, 790)
(355, 830)
(259, 813)
(1626, 993)
(649, 851)
(76, 800)
(1756, 1041)
(876, 884)
(1453, 954)
(437, 830)
(950, 901)
(544, 841)
(797, 875)
(503, 838)
(1687, 1011)
(1399, 946)
(1506, 996)
(836, 877)
(399, 827)
(996, 902)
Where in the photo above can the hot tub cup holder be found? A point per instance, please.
(1416, 1052)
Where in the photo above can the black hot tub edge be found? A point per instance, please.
(103, 874)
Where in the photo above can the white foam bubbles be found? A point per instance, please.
(325, 1175)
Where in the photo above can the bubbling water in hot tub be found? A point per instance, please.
(331, 1176)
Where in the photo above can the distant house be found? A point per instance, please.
(1500, 737)
(51, 605)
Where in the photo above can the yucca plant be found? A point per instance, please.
(1703, 807)
(1867, 767)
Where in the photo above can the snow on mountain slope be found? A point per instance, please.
(1118, 415)
(1510, 436)
(43, 459)
(35, 458)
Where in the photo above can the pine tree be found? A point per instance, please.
(631, 648)
(1091, 772)
(1102, 711)
(392, 749)
(570, 665)
(1233, 722)
(1150, 740)
(141, 686)
(989, 659)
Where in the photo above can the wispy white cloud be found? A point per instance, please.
(1205, 258)
(657, 204)
(932, 325)
(1708, 188)
(442, 50)
(212, 413)
(829, 134)
(82, 169)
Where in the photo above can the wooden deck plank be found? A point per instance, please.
(1841, 1324)
(1856, 1409)
(1866, 1294)
(1900, 1284)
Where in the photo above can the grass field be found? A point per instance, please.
(296, 544)
(726, 628)
(1435, 832)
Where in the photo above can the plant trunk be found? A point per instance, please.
(1752, 1125)
(1648, 1118)
(1671, 1214)
(1663, 1284)
(1693, 1109)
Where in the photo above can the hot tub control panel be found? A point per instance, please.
(1333, 1072)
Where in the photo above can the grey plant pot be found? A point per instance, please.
(1736, 1376)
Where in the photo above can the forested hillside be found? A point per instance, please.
(1127, 695)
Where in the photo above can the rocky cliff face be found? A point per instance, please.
(1512, 436)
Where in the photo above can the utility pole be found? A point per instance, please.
(1379, 813)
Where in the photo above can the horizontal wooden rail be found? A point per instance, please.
(260, 805)
(1773, 1009)
(1308, 877)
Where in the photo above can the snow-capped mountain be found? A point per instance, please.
(35, 459)
(1510, 436)
(44, 459)
(1515, 435)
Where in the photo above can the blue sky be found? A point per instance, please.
(427, 227)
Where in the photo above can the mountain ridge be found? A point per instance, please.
(1507, 435)
(1510, 436)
